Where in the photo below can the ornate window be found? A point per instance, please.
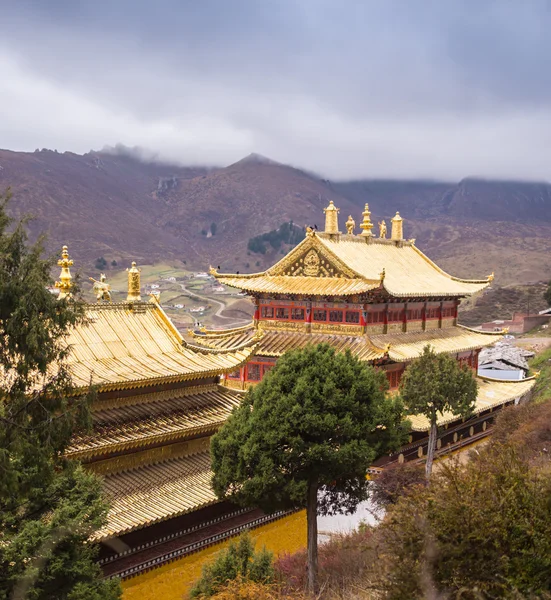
(353, 316)
(377, 316)
(282, 313)
(393, 378)
(414, 314)
(320, 314)
(395, 316)
(433, 313)
(336, 316)
(267, 312)
(297, 314)
(253, 372)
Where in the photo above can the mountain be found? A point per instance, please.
(117, 205)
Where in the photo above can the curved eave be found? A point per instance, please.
(408, 346)
(234, 359)
(308, 286)
(491, 394)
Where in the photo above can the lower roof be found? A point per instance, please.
(133, 345)
(491, 394)
(155, 493)
(400, 347)
(175, 415)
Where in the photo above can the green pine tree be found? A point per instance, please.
(49, 506)
(434, 384)
(305, 437)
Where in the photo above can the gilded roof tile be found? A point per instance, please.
(407, 346)
(121, 347)
(286, 284)
(491, 393)
(403, 346)
(174, 417)
(154, 493)
(341, 265)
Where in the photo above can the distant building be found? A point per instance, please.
(520, 323)
(504, 362)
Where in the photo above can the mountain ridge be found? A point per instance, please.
(117, 205)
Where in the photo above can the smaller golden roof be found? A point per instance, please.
(400, 347)
(155, 493)
(491, 394)
(172, 415)
(407, 346)
(134, 345)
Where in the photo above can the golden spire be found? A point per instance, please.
(133, 284)
(65, 278)
(397, 227)
(350, 224)
(366, 225)
(331, 218)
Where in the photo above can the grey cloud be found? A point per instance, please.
(348, 88)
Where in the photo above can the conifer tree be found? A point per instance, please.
(49, 506)
(434, 384)
(305, 437)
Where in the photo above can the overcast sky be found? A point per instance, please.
(347, 88)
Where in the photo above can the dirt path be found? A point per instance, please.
(221, 306)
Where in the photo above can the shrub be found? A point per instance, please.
(238, 560)
(238, 589)
(394, 481)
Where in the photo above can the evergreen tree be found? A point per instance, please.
(305, 437)
(434, 384)
(49, 506)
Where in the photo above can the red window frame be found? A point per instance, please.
(282, 313)
(336, 315)
(267, 312)
(319, 315)
(297, 313)
(352, 317)
(433, 312)
(396, 316)
(375, 317)
(254, 371)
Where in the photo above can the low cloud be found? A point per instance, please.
(348, 89)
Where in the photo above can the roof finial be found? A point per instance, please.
(366, 225)
(397, 227)
(350, 224)
(133, 284)
(65, 278)
(101, 288)
(331, 218)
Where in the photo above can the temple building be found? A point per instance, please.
(158, 401)
(380, 297)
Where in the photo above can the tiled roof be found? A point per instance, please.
(286, 284)
(342, 265)
(177, 416)
(125, 346)
(491, 393)
(407, 346)
(403, 346)
(154, 493)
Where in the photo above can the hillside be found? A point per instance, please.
(119, 207)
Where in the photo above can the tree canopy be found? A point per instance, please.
(434, 384)
(315, 422)
(49, 506)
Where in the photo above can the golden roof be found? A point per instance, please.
(407, 346)
(491, 393)
(124, 346)
(342, 265)
(284, 284)
(170, 415)
(154, 493)
(403, 346)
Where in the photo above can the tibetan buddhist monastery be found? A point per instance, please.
(159, 400)
(380, 297)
